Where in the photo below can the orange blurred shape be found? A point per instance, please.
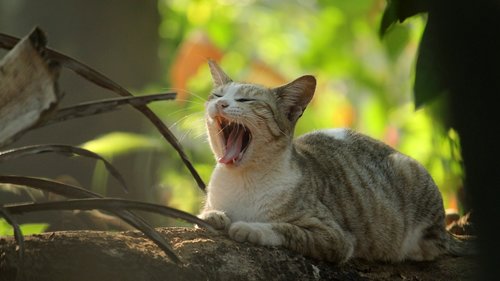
(453, 201)
(344, 116)
(263, 74)
(194, 52)
(391, 136)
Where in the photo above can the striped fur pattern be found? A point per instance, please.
(330, 194)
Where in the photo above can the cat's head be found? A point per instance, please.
(247, 122)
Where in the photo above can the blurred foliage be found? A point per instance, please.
(27, 229)
(116, 143)
(364, 82)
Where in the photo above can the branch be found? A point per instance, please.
(92, 255)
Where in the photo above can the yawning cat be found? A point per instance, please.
(331, 194)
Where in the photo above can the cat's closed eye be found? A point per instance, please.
(244, 100)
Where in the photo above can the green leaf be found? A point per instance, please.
(61, 149)
(428, 75)
(73, 191)
(8, 42)
(33, 228)
(396, 41)
(399, 10)
(10, 222)
(103, 106)
(118, 143)
(118, 207)
(60, 188)
(389, 17)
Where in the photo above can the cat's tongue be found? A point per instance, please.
(233, 147)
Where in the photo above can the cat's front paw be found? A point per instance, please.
(254, 232)
(218, 219)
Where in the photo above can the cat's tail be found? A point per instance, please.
(461, 245)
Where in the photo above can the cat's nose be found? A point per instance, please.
(222, 104)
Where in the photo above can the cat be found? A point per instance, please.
(331, 194)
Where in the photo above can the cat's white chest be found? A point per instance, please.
(248, 199)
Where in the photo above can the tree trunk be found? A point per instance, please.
(97, 255)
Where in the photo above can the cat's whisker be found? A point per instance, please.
(283, 133)
(184, 91)
(254, 126)
(173, 113)
(192, 129)
(190, 101)
(250, 120)
(221, 131)
(279, 129)
(187, 132)
(238, 125)
(173, 125)
(202, 134)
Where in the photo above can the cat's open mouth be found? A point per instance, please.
(236, 139)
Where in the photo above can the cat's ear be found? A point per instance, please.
(218, 76)
(296, 95)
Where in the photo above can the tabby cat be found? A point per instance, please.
(331, 194)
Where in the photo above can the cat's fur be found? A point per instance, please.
(331, 194)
